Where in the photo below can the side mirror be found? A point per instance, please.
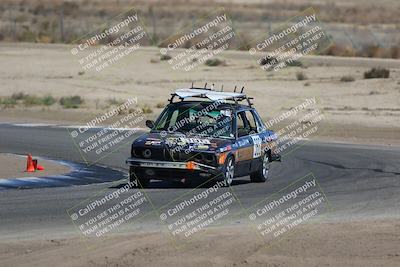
(150, 124)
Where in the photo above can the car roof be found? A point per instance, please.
(209, 94)
(233, 106)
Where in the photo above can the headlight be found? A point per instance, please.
(147, 153)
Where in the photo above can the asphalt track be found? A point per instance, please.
(360, 182)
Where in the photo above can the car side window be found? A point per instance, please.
(251, 121)
(240, 121)
(241, 124)
(259, 122)
(246, 123)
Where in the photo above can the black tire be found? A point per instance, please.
(261, 175)
(138, 181)
(228, 170)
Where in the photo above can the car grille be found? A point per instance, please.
(170, 155)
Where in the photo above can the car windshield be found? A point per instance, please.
(206, 119)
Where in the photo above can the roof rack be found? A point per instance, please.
(211, 93)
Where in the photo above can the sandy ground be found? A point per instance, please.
(368, 243)
(13, 166)
(352, 110)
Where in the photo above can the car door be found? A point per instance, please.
(256, 140)
(244, 143)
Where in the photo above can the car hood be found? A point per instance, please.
(174, 140)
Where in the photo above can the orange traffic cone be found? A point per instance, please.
(29, 164)
(40, 168)
(37, 166)
(34, 164)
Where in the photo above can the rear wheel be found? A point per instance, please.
(138, 181)
(261, 175)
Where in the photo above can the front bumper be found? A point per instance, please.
(171, 169)
(189, 165)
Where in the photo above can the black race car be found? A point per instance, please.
(204, 136)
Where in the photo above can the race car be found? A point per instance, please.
(203, 135)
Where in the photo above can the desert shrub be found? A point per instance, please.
(372, 51)
(347, 108)
(377, 73)
(294, 63)
(246, 42)
(27, 36)
(7, 102)
(213, 62)
(373, 92)
(338, 50)
(347, 78)
(70, 8)
(268, 60)
(114, 101)
(146, 109)
(160, 105)
(124, 111)
(30, 100)
(71, 101)
(272, 61)
(19, 96)
(301, 76)
(165, 57)
(44, 38)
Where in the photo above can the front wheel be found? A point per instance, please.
(138, 181)
(261, 175)
(229, 171)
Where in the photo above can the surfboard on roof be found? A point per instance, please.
(210, 94)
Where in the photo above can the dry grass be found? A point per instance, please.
(49, 21)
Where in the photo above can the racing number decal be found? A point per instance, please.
(256, 146)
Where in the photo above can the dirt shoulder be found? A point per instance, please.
(368, 243)
(358, 134)
(13, 166)
(361, 111)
